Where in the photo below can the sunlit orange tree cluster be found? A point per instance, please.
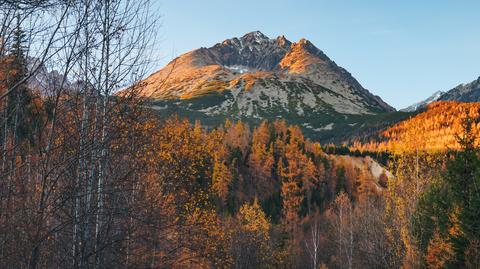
(433, 129)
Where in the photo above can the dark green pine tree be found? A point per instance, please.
(20, 98)
(463, 178)
(456, 193)
(341, 181)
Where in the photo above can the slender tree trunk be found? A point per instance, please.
(103, 136)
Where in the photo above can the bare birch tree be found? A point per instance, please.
(63, 180)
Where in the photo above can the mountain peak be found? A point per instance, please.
(306, 45)
(294, 74)
(282, 41)
(255, 36)
(303, 41)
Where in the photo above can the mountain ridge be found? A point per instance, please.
(469, 92)
(465, 92)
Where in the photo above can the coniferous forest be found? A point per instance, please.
(92, 177)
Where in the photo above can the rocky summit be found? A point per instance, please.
(255, 78)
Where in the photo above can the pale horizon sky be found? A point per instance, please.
(403, 51)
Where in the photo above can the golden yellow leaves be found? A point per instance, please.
(221, 179)
(252, 219)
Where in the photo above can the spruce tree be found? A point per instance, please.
(20, 98)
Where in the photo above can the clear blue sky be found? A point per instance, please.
(402, 51)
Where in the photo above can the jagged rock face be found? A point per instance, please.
(464, 93)
(253, 50)
(46, 82)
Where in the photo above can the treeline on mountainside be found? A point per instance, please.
(358, 150)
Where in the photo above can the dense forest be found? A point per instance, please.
(93, 178)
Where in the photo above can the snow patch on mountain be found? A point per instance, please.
(325, 128)
(240, 69)
(159, 107)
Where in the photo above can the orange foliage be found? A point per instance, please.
(439, 252)
(432, 130)
(261, 161)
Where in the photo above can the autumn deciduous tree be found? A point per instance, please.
(343, 221)
(251, 244)
(292, 198)
(221, 179)
(237, 137)
(313, 242)
(71, 187)
(439, 252)
(261, 161)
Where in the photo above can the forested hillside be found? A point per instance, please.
(433, 129)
